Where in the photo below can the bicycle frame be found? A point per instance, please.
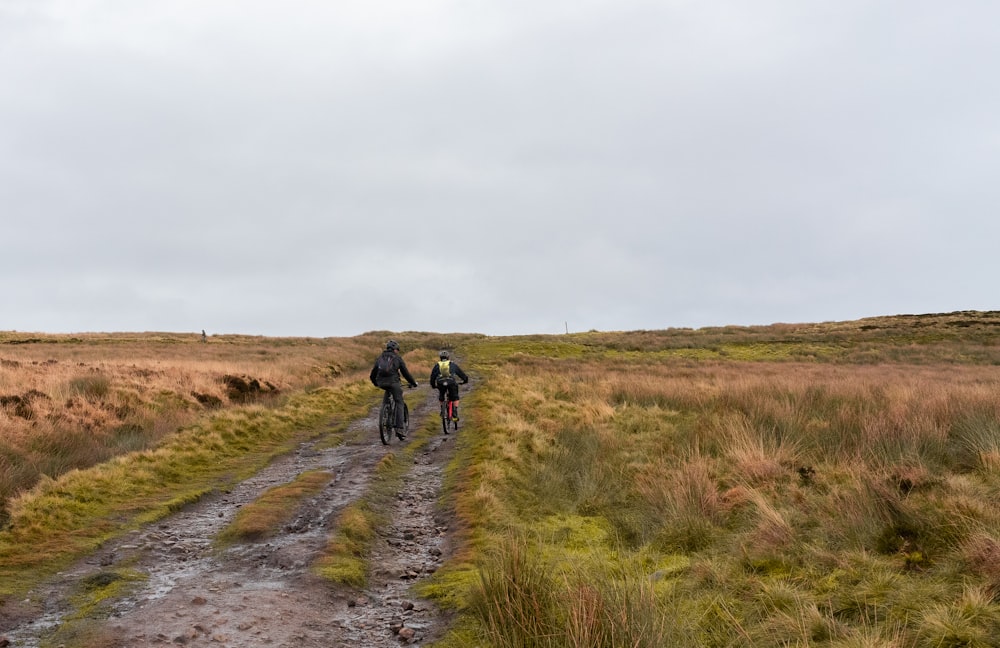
(387, 418)
(448, 411)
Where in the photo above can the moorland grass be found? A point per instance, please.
(825, 484)
(763, 503)
(69, 402)
(266, 515)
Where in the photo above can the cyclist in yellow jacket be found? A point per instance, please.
(445, 376)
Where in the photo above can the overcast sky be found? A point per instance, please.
(326, 168)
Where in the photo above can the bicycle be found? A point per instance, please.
(448, 408)
(387, 419)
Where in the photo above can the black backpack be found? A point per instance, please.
(386, 365)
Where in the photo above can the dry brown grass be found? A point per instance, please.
(982, 552)
(856, 408)
(73, 401)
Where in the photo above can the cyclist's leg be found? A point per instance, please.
(442, 391)
(453, 396)
(387, 407)
(397, 392)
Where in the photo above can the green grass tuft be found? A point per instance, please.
(265, 516)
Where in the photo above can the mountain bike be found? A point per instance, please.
(448, 409)
(387, 419)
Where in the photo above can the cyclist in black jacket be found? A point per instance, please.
(386, 372)
(443, 378)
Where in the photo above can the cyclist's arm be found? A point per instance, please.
(406, 373)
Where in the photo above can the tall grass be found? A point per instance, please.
(739, 503)
(524, 601)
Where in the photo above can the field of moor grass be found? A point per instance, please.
(73, 401)
(822, 485)
(830, 484)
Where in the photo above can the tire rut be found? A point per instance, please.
(263, 593)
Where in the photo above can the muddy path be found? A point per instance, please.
(263, 593)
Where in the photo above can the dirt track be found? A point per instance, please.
(263, 594)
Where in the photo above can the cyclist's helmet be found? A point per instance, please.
(392, 345)
(445, 355)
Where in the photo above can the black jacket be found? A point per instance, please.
(455, 371)
(398, 367)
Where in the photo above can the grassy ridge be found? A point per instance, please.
(843, 498)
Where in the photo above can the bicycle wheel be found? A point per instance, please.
(448, 415)
(386, 418)
(406, 420)
(444, 416)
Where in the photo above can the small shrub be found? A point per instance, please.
(982, 552)
(208, 400)
(973, 621)
(516, 599)
(605, 611)
(129, 437)
(92, 387)
(244, 389)
(975, 442)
